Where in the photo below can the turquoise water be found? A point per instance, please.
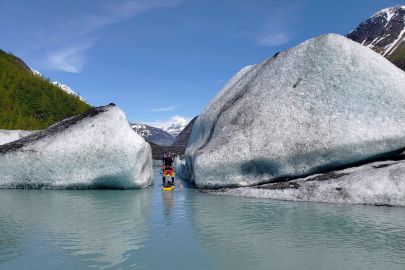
(186, 229)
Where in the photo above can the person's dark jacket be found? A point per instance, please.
(168, 161)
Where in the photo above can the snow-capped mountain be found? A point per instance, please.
(384, 32)
(177, 126)
(153, 134)
(62, 86)
(182, 139)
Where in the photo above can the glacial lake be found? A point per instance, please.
(187, 229)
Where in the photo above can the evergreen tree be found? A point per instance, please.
(30, 102)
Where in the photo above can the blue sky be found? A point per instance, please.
(162, 59)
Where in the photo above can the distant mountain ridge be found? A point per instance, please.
(153, 134)
(384, 32)
(162, 141)
(30, 102)
(177, 126)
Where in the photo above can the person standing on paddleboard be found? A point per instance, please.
(163, 163)
(168, 168)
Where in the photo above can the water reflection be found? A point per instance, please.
(10, 242)
(98, 227)
(151, 229)
(245, 233)
(168, 202)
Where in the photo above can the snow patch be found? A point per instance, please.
(388, 13)
(68, 90)
(391, 48)
(153, 134)
(141, 129)
(64, 87)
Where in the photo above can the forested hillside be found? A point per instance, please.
(30, 102)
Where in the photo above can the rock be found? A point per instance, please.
(384, 32)
(97, 149)
(324, 104)
(159, 150)
(152, 134)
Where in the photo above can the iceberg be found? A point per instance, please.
(378, 183)
(322, 105)
(7, 136)
(97, 149)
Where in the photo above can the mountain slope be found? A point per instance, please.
(29, 102)
(158, 150)
(182, 139)
(62, 86)
(152, 134)
(384, 32)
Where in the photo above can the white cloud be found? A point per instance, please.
(273, 39)
(278, 28)
(77, 31)
(116, 11)
(164, 109)
(70, 59)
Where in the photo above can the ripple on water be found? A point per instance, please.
(148, 229)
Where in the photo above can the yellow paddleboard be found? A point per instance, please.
(168, 188)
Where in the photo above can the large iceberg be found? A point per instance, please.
(97, 149)
(325, 104)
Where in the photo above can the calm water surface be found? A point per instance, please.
(185, 229)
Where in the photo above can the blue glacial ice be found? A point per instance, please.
(324, 104)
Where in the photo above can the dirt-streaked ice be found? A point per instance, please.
(97, 149)
(380, 183)
(326, 103)
(7, 136)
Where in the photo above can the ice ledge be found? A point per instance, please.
(379, 183)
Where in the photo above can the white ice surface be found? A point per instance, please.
(100, 151)
(381, 183)
(327, 102)
(7, 136)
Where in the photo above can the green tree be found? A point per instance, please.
(30, 102)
